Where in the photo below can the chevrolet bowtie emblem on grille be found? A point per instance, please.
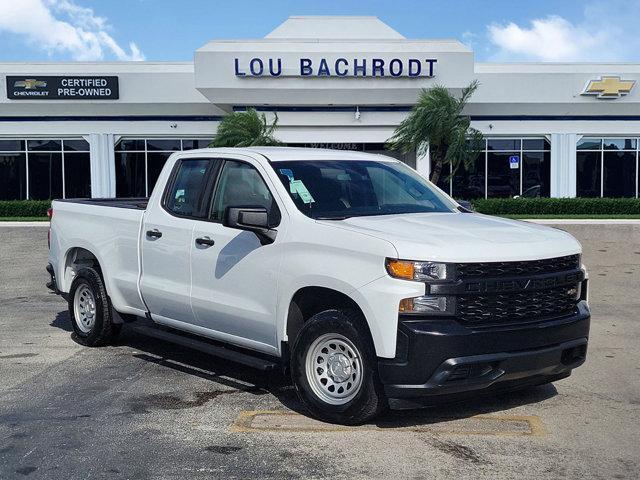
(609, 87)
(30, 84)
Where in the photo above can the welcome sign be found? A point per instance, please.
(336, 67)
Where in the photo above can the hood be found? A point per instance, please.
(464, 237)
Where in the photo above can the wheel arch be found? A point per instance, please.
(309, 300)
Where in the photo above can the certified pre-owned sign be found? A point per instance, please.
(62, 88)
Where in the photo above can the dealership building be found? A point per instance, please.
(105, 129)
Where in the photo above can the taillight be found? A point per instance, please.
(50, 213)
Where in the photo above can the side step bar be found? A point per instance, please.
(253, 361)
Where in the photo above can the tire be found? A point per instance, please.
(334, 349)
(90, 310)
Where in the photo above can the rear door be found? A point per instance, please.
(234, 276)
(167, 232)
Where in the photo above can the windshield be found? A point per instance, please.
(334, 189)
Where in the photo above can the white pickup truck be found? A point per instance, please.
(366, 281)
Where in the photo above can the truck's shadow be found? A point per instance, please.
(256, 382)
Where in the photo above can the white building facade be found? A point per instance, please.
(106, 129)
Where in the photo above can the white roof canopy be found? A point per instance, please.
(335, 28)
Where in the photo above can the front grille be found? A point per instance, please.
(491, 309)
(514, 269)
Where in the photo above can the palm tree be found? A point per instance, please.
(245, 129)
(436, 122)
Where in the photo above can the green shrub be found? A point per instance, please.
(24, 208)
(558, 206)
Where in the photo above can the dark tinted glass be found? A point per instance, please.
(155, 162)
(187, 192)
(11, 145)
(619, 174)
(240, 185)
(503, 144)
(588, 174)
(164, 145)
(44, 145)
(619, 143)
(195, 143)
(502, 180)
(536, 174)
(334, 189)
(129, 145)
(13, 176)
(76, 145)
(468, 182)
(130, 174)
(589, 144)
(443, 182)
(77, 175)
(45, 176)
(536, 144)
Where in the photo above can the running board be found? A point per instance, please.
(253, 361)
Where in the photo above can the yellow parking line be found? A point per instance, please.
(253, 421)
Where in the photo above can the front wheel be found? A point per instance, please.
(334, 368)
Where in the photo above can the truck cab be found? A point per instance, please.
(351, 271)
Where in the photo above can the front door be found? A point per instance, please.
(234, 277)
(166, 242)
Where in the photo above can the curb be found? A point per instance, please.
(24, 224)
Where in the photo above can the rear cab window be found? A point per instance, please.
(186, 193)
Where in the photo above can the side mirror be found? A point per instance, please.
(465, 206)
(251, 219)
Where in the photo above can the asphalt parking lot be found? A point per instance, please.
(146, 409)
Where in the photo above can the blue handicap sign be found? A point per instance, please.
(514, 161)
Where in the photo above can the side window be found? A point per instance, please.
(186, 194)
(240, 185)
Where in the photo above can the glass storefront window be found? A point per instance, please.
(38, 168)
(589, 144)
(502, 179)
(536, 174)
(45, 175)
(503, 144)
(155, 162)
(619, 144)
(77, 174)
(13, 175)
(139, 161)
(619, 174)
(468, 183)
(494, 174)
(588, 173)
(607, 167)
(130, 174)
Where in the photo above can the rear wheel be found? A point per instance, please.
(333, 367)
(90, 310)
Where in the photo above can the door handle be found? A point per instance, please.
(155, 233)
(205, 241)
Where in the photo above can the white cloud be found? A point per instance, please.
(606, 32)
(62, 26)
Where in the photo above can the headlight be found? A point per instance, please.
(419, 271)
(428, 304)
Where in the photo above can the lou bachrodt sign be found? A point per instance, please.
(62, 88)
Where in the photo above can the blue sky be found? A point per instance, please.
(541, 30)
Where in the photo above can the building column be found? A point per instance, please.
(423, 163)
(103, 171)
(563, 164)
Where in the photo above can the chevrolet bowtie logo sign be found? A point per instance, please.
(30, 84)
(609, 87)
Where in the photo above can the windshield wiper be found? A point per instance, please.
(333, 218)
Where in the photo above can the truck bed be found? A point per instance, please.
(132, 203)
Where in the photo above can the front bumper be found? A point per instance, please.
(439, 358)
